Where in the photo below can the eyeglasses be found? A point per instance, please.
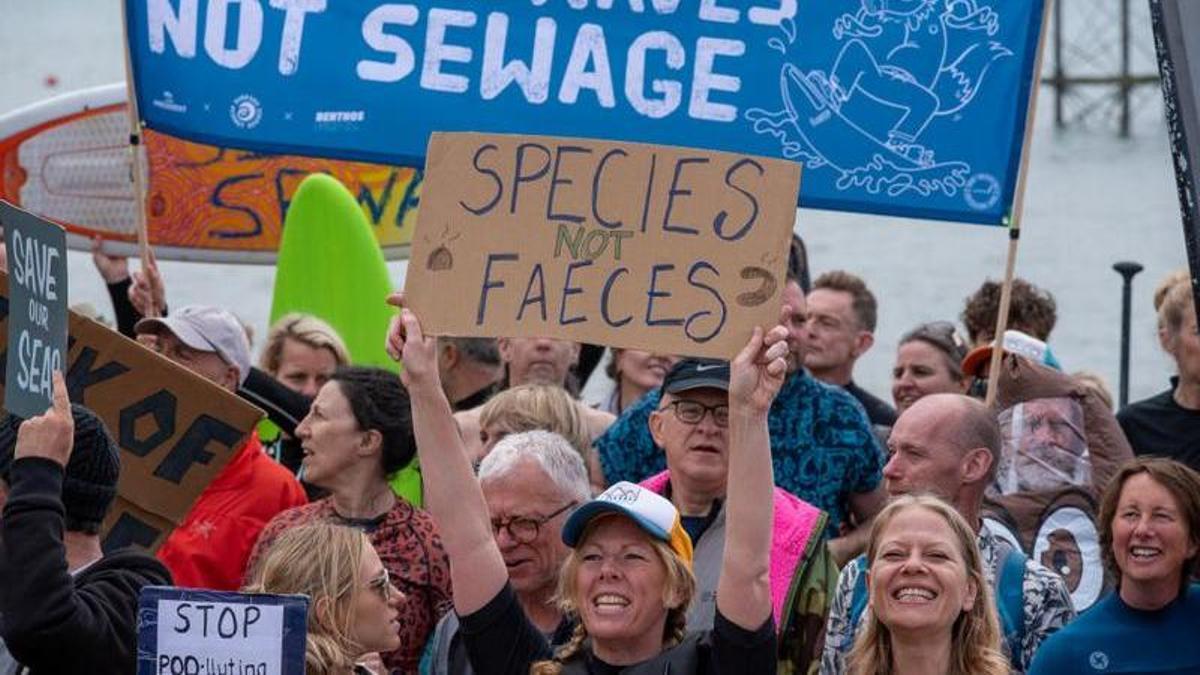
(691, 412)
(523, 529)
(382, 585)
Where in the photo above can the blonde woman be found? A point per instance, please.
(352, 611)
(929, 610)
(627, 581)
(1168, 424)
(534, 407)
(302, 352)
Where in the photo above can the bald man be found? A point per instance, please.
(947, 445)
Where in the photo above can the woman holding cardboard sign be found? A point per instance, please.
(628, 581)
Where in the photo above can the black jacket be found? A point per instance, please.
(53, 622)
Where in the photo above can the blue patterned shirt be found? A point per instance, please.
(821, 443)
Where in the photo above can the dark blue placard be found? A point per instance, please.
(902, 107)
(292, 637)
(37, 317)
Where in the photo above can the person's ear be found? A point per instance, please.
(971, 596)
(233, 378)
(371, 442)
(448, 356)
(576, 349)
(975, 465)
(656, 422)
(504, 345)
(862, 342)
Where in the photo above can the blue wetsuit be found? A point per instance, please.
(1112, 637)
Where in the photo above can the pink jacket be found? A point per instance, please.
(795, 523)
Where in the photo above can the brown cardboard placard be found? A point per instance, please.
(176, 430)
(667, 249)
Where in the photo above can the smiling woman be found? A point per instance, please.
(1150, 536)
(627, 582)
(930, 607)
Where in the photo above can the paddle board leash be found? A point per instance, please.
(136, 154)
(1128, 270)
(1014, 225)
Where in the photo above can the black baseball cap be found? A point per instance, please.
(696, 374)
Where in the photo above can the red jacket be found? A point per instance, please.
(210, 548)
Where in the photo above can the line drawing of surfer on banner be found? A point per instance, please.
(902, 64)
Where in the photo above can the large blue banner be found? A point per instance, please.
(903, 107)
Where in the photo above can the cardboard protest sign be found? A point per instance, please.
(192, 632)
(1062, 446)
(672, 250)
(37, 258)
(176, 430)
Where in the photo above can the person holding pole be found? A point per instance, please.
(628, 576)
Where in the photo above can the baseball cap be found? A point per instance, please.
(1015, 342)
(655, 514)
(207, 329)
(696, 374)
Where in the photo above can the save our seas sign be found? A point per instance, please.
(673, 250)
(885, 102)
(176, 430)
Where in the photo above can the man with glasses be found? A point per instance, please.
(823, 449)
(210, 548)
(531, 482)
(691, 425)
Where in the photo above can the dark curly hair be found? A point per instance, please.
(1031, 310)
(380, 402)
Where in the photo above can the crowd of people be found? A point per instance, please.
(760, 515)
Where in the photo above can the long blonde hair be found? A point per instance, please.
(322, 561)
(975, 636)
(678, 591)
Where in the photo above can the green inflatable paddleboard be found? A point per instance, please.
(330, 265)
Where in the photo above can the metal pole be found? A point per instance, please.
(1059, 83)
(1127, 270)
(1125, 86)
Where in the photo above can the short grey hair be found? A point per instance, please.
(479, 350)
(553, 453)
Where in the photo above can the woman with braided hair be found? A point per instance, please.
(627, 581)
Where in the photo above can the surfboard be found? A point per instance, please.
(330, 265)
(67, 159)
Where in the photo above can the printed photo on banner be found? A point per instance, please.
(193, 632)
(671, 250)
(882, 101)
(37, 331)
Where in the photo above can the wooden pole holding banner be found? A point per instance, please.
(135, 147)
(1014, 226)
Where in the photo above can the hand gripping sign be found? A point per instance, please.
(176, 430)
(667, 249)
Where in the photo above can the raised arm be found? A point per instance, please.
(452, 493)
(756, 374)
